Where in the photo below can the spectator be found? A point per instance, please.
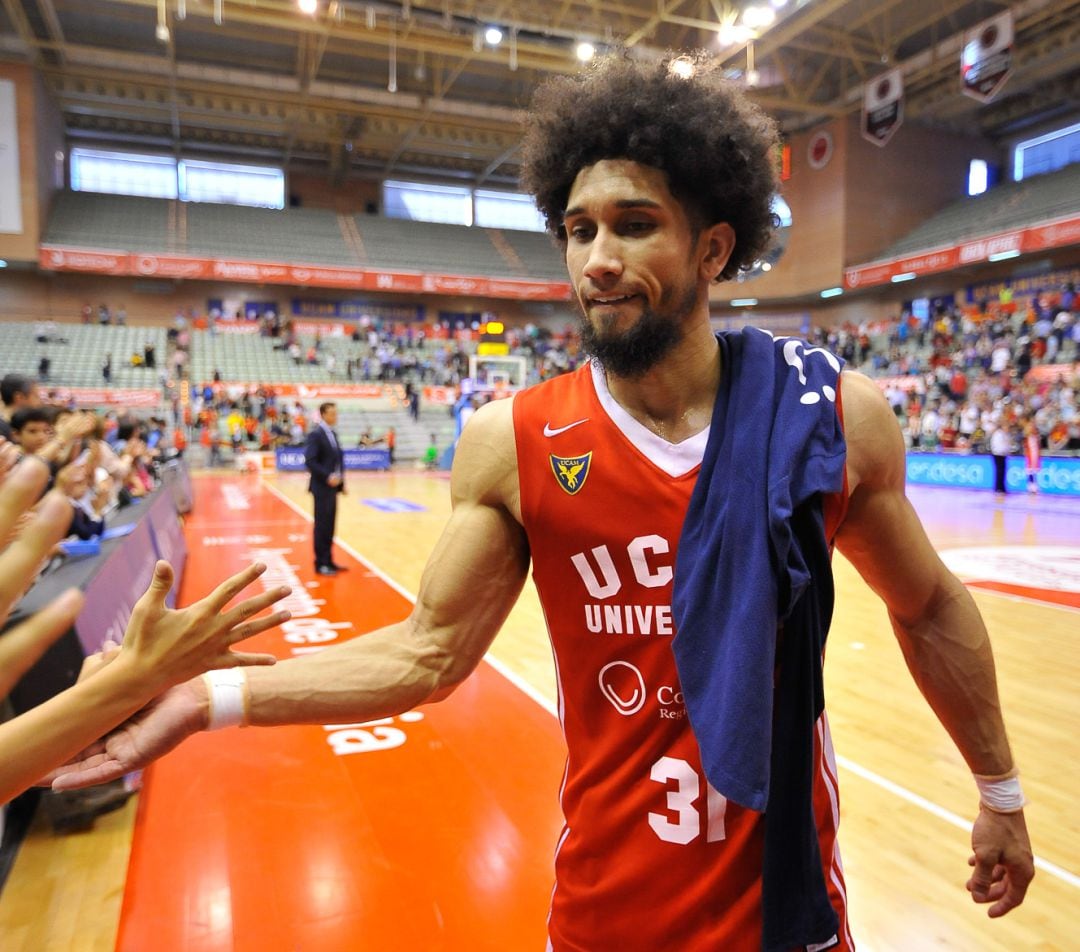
(1000, 447)
(32, 427)
(106, 370)
(16, 391)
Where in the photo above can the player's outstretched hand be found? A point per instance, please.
(164, 650)
(143, 738)
(1003, 864)
(170, 646)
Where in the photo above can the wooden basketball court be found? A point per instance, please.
(435, 830)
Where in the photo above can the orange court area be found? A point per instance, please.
(434, 830)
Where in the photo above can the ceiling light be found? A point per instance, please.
(765, 266)
(906, 276)
(683, 67)
(744, 302)
(585, 51)
(1004, 255)
(731, 34)
(493, 36)
(3, 263)
(757, 18)
(832, 292)
(308, 6)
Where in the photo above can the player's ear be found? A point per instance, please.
(717, 243)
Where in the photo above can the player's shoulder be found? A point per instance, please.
(875, 445)
(485, 461)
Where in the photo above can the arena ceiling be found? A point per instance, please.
(411, 87)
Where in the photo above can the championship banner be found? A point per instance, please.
(10, 187)
(986, 59)
(883, 107)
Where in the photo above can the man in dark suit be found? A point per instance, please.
(325, 462)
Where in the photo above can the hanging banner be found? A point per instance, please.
(883, 107)
(986, 59)
(10, 188)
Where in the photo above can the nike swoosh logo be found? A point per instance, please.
(549, 431)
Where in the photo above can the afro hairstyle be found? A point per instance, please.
(679, 115)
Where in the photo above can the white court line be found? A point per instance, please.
(902, 792)
(1027, 600)
(942, 814)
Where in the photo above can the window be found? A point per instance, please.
(977, 176)
(161, 176)
(419, 202)
(1046, 153)
(507, 210)
(261, 186)
(459, 205)
(123, 173)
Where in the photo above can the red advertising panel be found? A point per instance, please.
(1057, 234)
(59, 258)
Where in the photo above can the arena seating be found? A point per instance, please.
(302, 235)
(424, 246)
(77, 363)
(110, 222)
(1009, 205)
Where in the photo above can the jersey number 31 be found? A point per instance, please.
(682, 802)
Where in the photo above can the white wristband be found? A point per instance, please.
(1000, 794)
(228, 693)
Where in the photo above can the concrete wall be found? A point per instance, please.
(23, 245)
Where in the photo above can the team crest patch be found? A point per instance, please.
(571, 471)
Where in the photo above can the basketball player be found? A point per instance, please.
(657, 180)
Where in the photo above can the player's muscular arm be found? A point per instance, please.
(939, 629)
(471, 582)
(935, 620)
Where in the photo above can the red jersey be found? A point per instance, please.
(651, 857)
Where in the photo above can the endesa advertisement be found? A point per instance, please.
(1057, 476)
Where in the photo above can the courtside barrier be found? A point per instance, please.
(1057, 476)
(290, 459)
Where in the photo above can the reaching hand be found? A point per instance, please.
(74, 427)
(19, 490)
(151, 733)
(1003, 862)
(172, 646)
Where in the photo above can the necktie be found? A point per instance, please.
(337, 451)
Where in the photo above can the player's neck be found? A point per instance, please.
(675, 399)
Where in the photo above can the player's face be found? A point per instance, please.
(633, 262)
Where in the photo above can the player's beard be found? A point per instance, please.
(635, 351)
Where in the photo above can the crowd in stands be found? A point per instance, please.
(953, 380)
(62, 471)
(100, 462)
(956, 379)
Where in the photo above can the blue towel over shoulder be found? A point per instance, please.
(751, 545)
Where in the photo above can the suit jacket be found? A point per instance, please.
(322, 460)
